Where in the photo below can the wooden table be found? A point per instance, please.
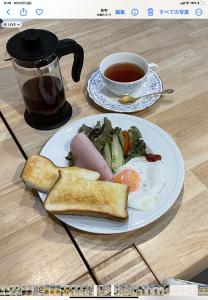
(37, 249)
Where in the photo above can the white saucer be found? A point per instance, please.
(106, 99)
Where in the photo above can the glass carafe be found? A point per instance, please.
(35, 56)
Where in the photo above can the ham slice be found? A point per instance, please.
(87, 156)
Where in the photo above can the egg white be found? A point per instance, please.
(153, 179)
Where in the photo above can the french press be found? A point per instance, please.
(35, 55)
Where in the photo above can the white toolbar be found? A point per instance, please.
(103, 9)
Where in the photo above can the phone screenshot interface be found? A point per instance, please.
(103, 107)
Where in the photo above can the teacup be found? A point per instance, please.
(125, 88)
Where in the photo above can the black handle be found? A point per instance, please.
(67, 46)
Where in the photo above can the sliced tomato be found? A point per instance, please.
(126, 142)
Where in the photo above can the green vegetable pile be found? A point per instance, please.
(116, 146)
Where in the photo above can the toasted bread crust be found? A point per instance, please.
(92, 214)
(41, 173)
(73, 195)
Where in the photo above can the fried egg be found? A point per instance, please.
(145, 181)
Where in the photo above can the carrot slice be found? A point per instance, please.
(126, 142)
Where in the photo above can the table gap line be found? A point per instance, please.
(71, 282)
(81, 254)
(148, 266)
(65, 227)
(13, 135)
(115, 254)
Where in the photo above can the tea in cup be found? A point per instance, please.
(124, 72)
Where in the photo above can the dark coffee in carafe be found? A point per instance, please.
(43, 94)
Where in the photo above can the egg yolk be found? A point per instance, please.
(128, 177)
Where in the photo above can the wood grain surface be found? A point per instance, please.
(86, 279)
(34, 248)
(176, 244)
(126, 267)
(166, 241)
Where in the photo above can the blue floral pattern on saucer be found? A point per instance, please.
(106, 99)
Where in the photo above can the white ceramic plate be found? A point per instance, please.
(106, 99)
(157, 140)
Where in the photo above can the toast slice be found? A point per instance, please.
(40, 173)
(80, 196)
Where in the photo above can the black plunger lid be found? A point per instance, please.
(32, 45)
